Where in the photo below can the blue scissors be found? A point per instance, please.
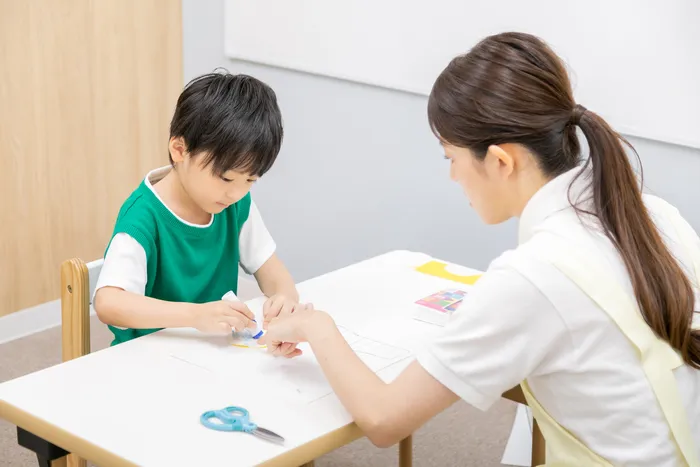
(237, 419)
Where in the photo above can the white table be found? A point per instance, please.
(139, 403)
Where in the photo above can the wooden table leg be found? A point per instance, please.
(62, 462)
(75, 461)
(538, 445)
(406, 452)
(308, 464)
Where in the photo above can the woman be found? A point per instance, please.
(592, 312)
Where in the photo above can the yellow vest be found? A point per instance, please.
(658, 358)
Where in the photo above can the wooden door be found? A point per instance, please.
(87, 89)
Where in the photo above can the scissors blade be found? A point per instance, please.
(268, 435)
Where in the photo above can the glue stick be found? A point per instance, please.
(253, 334)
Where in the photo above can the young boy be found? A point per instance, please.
(180, 236)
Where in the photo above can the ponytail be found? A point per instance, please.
(663, 292)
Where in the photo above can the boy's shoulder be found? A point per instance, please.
(138, 204)
(137, 217)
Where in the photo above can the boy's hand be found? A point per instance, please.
(278, 306)
(222, 316)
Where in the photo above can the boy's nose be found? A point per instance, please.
(233, 196)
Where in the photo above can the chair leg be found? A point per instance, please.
(538, 445)
(308, 464)
(406, 452)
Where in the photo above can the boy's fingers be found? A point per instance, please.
(223, 328)
(273, 311)
(286, 309)
(241, 308)
(235, 322)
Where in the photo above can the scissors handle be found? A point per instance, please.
(228, 419)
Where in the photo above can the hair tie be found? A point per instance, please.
(577, 113)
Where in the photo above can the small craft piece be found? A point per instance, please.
(438, 307)
(439, 269)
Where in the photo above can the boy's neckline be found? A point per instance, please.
(155, 176)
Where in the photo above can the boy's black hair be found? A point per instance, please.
(233, 119)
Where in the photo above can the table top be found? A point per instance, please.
(139, 403)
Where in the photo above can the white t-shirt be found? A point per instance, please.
(579, 365)
(125, 261)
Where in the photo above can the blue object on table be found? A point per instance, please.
(237, 419)
(259, 334)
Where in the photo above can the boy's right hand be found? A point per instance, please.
(222, 316)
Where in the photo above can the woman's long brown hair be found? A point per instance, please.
(512, 88)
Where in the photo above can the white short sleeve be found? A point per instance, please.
(255, 242)
(503, 332)
(124, 266)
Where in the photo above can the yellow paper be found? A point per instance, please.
(439, 269)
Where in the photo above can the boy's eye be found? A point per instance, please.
(226, 179)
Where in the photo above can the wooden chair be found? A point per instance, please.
(78, 281)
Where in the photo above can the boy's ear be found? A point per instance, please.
(177, 148)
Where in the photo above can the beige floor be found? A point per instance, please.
(461, 436)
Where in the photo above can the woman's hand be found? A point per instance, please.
(285, 332)
(278, 306)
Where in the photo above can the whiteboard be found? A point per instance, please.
(635, 62)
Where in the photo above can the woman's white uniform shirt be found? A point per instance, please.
(580, 367)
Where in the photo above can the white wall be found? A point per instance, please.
(404, 45)
(360, 172)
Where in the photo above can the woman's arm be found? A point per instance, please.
(386, 413)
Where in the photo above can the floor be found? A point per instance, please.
(460, 436)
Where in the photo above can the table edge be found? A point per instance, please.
(60, 437)
(317, 447)
(93, 453)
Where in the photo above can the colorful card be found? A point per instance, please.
(445, 301)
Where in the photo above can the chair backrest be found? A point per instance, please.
(94, 268)
(78, 281)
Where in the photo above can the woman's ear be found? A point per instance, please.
(499, 160)
(177, 148)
